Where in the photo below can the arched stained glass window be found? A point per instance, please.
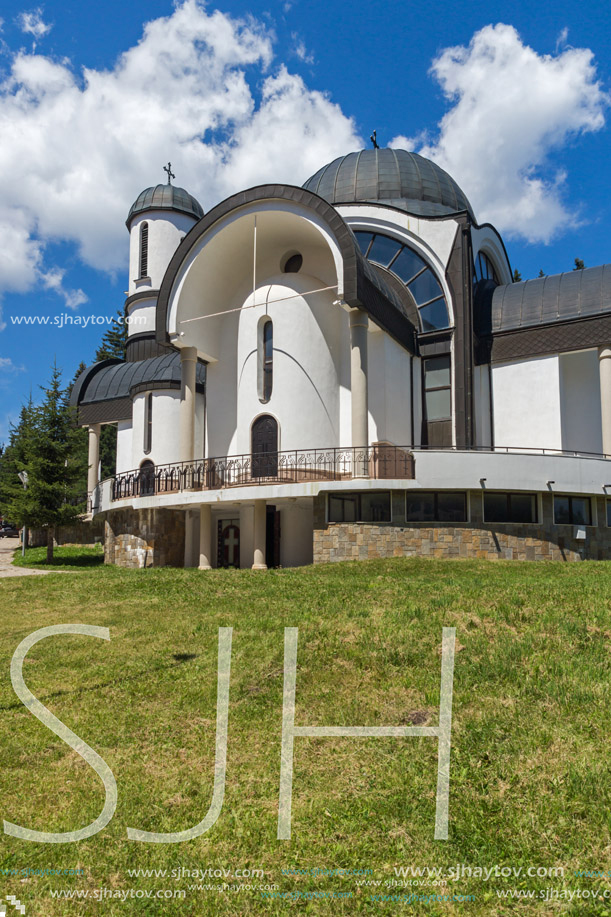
(413, 271)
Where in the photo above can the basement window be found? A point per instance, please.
(572, 510)
(500, 507)
(370, 506)
(444, 506)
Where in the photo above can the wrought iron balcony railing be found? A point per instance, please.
(292, 467)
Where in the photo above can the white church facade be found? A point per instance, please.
(345, 370)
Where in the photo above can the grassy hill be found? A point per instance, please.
(530, 770)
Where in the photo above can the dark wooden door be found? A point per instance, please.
(265, 447)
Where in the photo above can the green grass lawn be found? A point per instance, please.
(64, 557)
(530, 771)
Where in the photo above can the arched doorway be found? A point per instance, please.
(147, 478)
(264, 447)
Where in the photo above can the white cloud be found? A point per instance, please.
(53, 279)
(300, 49)
(510, 108)
(32, 23)
(78, 149)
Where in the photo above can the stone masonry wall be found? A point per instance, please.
(145, 538)
(475, 539)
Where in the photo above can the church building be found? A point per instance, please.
(345, 370)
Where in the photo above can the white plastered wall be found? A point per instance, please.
(389, 390)
(307, 341)
(166, 427)
(526, 404)
(580, 401)
(166, 230)
(481, 398)
(124, 446)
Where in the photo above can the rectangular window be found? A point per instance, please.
(573, 511)
(510, 507)
(608, 512)
(436, 507)
(437, 388)
(359, 507)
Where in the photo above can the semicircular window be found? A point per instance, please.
(413, 271)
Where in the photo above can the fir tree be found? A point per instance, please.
(541, 274)
(516, 276)
(114, 341)
(47, 449)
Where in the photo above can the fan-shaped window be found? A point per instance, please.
(144, 249)
(413, 271)
(484, 269)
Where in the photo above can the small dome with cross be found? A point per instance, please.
(165, 197)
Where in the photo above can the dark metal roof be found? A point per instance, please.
(165, 197)
(395, 177)
(547, 300)
(113, 379)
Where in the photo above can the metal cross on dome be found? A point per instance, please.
(168, 169)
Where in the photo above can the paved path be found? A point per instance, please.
(7, 547)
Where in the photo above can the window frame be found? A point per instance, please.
(436, 388)
(403, 245)
(436, 494)
(358, 494)
(570, 498)
(509, 494)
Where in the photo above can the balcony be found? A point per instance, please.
(380, 461)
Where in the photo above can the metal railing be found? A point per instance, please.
(292, 467)
(381, 461)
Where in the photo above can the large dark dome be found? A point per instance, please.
(165, 197)
(394, 177)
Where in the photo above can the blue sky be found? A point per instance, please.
(91, 107)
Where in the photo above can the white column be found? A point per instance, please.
(260, 528)
(604, 366)
(188, 363)
(94, 457)
(359, 324)
(205, 537)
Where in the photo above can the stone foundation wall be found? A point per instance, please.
(86, 533)
(145, 538)
(475, 539)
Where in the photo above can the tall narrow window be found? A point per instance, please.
(144, 249)
(148, 424)
(437, 388)
(266, 360)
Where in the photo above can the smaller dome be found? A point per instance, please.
(165, 197)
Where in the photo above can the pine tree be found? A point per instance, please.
(579, 265)
(47, 449)
(541, 274)
(516, 276)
